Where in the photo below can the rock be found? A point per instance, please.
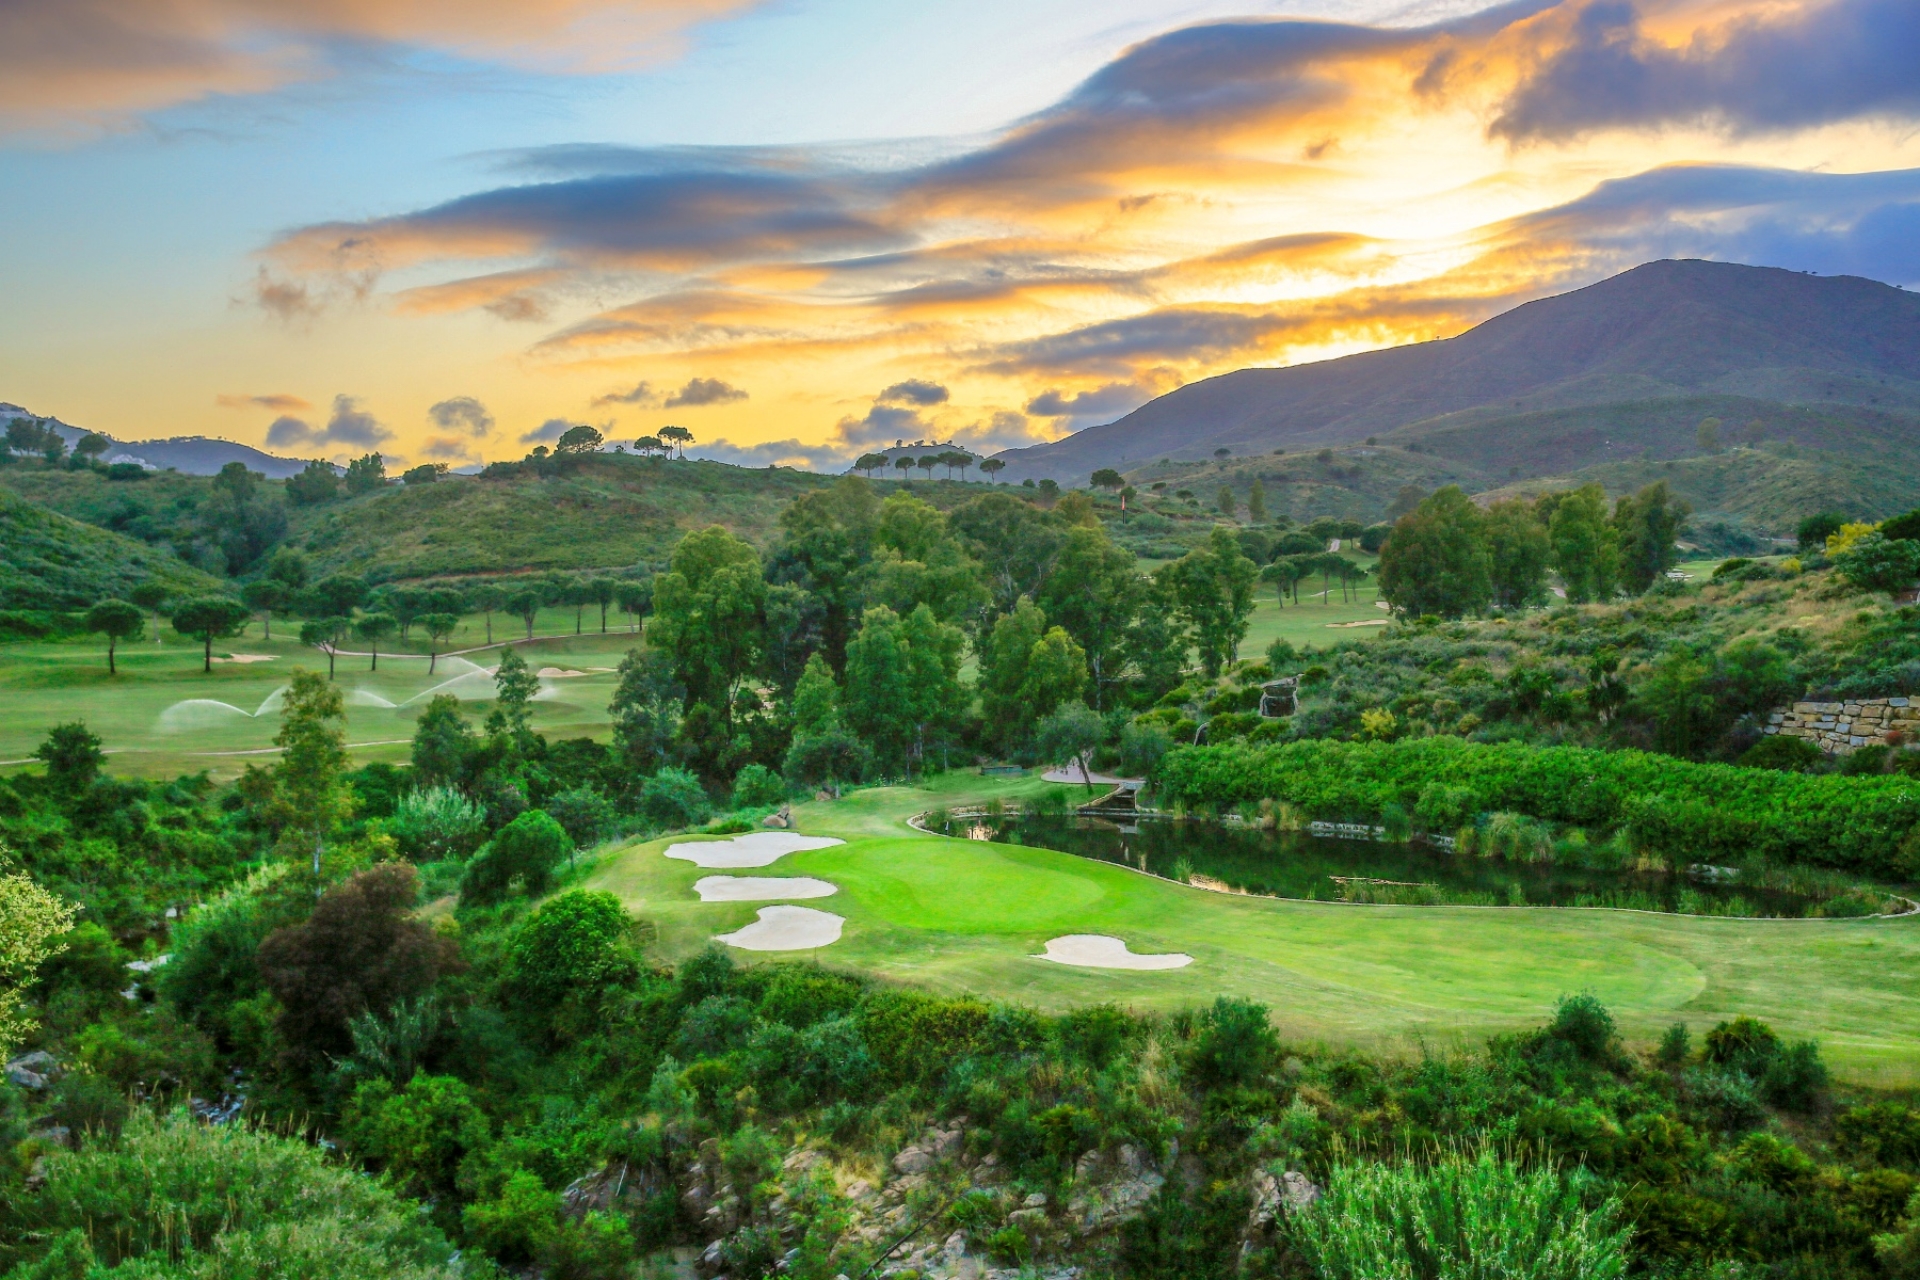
(710, 1257)
(859, 1189)
(913, 1160)
(947, 1143)
(25, 1079)
(1297, 1192)
(781, 818)
(1038, 1200)
(955, 1247)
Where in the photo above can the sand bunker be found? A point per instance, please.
(787, 929)
(559, 673)
(762, 888)
(1097, 951)
(246, 657)
(756, 849)
(1364, 622)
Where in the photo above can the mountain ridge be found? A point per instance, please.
(1664, 330)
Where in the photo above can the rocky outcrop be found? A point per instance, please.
(1841, 728)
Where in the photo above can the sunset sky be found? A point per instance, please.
(447, 229)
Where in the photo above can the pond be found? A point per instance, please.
(1286, 864)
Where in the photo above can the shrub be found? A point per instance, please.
(419, 1134)
(1779, 751)
(436, 823)
(757, 787)
(1236, 1046)
(583, 813)
(174, 1190)
(1690, 811)
(524, 852)
(575, 943)
(674, 798)
(362, 949)
(1458, 1217)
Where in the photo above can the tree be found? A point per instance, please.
(1056, 674)
(634, 599)
(32, 922)
(406, 604)
(903, 464)
(1003, 669)
(90, 446)
(646, 709)
(1707, 435)
(116, 620)
(602, 591)
(1880, 563)
(1813, 532)
(1225, 501)
(1107, 478)
(991, 468)
(1094, 591)
(1585, 552)
(1645, 528)
(150, 595)
(425, 473)
(338, 593)
(524, 604)
(707, 614)
(373, 628)
(1517, 553)
(310, 793)
(648, 446)
(1257, 502)
(513, 690)
(679, 437)
(438, 627)
(318, 482)
(442, 743)
(1436, 561)
(365, 474)
(265, 595)
(210, 618)
(1071, 735)
(73, 757)
(1212, 588)
(487, 597)
(902, 681)
(361, 951)
(961, 461)
(326, 634)
(578, 440)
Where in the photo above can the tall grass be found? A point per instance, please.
(1460, 1218)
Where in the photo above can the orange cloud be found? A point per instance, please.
(68, 60)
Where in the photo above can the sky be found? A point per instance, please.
(447, 230)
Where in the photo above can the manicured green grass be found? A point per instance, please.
(44, 684)
(966, 916)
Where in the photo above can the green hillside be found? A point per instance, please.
(52, 562)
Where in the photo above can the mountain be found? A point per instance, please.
(189, 455)
(1822, 362)
(56, 563)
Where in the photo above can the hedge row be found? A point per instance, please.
(1684, 811)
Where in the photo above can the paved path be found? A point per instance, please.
(1071, 773)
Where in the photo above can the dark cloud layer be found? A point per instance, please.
(1826, 62)
(920, 391)
(462, 413)
(348, 425)
(704, 391)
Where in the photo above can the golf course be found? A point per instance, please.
(968, 917)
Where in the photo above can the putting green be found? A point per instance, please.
(967, 916)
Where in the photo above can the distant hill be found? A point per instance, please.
(191, 455)
(52, 562)
(1621, 369)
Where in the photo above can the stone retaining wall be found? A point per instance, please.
(1839, 728)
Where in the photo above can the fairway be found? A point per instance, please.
(163, 715)
(955, 915)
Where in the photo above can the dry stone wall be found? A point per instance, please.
(1840, 728)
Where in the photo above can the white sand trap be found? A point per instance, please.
(755, 849)
(787, 929)
(1364, 622)
(246, 657)
(762, 888)
(559, 673)
(1097, 951)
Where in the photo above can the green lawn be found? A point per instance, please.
(44, 684)
(965, 916)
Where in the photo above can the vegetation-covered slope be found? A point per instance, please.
(1666, 331)
(51, 562)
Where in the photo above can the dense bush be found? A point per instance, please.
(521, 854)
(1687, 811)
